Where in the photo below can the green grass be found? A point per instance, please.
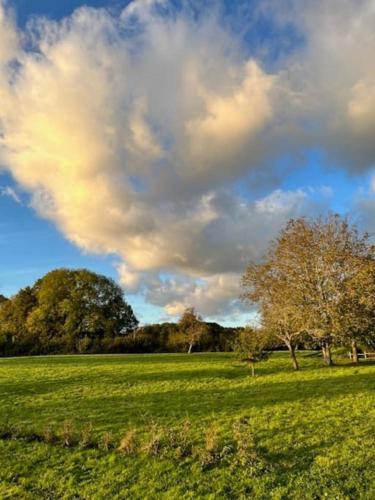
(314, 429)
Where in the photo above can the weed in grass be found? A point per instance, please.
(68, 433)
(209, 456)
(154, 443)
(179, 440)
(87, 438)
(106, 442)
(128, 444)
(7, 430)
(226, 453)
(48, 435)
(246, 451)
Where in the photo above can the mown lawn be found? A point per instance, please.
(314, 430)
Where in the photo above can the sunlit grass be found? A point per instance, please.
(315, 429)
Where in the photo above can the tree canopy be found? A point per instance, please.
(317, 278)
(66, 310)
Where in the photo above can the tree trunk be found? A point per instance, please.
(190, 348)
(251, 365)
(292, 351)
(354, 352)
(294, 358)
(327, 356)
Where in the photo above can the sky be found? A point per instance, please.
(165, 143)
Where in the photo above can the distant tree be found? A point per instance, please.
(192, 327)
(3, 299)
(251, 346)
(79, 307)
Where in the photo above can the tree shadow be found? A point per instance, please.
(200, 403)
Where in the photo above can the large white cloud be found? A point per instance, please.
(129, 131)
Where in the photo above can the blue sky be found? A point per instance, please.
(270, 160)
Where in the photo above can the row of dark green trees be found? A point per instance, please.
(78, 311)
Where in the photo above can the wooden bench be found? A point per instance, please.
(364, 355)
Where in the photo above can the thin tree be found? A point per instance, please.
(251, 346)
(192, 327)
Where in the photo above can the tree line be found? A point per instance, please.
(78, 311)
(314, 287)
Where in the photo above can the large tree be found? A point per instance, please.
(308, 272)
(280, 316)
(73, 305)
(357, 306)
(66, 311)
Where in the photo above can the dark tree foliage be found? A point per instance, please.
(65, 311)
(2, 299)
(77, 311)
(14, 335)
(168, 337)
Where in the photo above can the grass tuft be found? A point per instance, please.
(128, 444)
(68, 433)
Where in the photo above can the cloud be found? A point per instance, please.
(207, 257)
(11, 193)
(216, 296)
(133, 132)
(9, 36)
(334, 76)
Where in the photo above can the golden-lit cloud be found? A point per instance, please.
(129, 131)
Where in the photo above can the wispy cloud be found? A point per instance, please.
(11, 193)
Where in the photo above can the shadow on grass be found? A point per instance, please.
(212, 371)
(199, 403)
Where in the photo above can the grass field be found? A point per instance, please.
(314, 431)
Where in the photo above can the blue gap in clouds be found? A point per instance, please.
(59, 8)
(319, 172)
(263, 35)
(310, 171)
